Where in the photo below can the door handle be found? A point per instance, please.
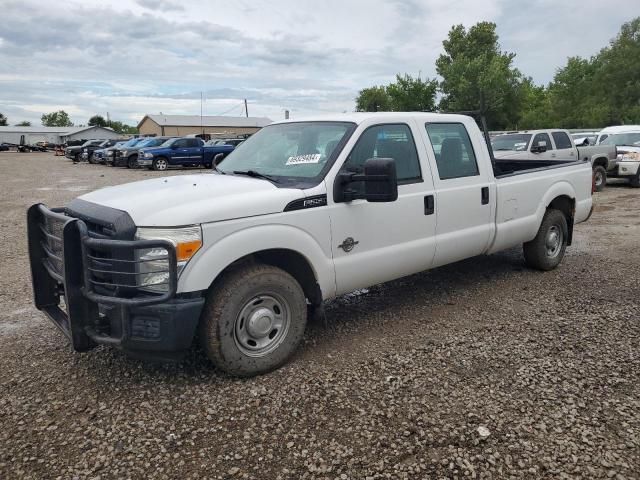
(429, 205)
(485, 195)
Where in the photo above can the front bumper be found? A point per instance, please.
(628, 168)
(145, 162)
(87, 287)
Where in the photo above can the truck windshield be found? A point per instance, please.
(631, 139)
(512, 141)
(290, 152)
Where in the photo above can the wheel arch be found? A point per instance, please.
(600, 162)
(286, 247)
(566, 205)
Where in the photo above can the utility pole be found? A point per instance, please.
(201, 127)
(246, 109)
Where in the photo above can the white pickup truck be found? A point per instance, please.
(301, 212)
(552, 144)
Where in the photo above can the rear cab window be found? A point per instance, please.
(562, 140)
(455, 157)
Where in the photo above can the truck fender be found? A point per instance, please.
(209, 263)
(555, 193)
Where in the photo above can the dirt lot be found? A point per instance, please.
(483, 369)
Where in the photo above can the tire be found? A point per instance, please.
(76, 158)
(599, 177)
(546, 250)
(132, 161)
(160, 164)
(90, 159)
(259, 298)
(635, 180)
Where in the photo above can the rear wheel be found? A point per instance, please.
(546, 250)
(599, 177)
(254, 320)
(132, 161)
(160, 164)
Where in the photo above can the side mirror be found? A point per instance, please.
(540, 148)
(379, 178)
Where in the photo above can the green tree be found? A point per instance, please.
(56, 119)
(3, 120)
(410, 94)
(121, 128)
(24, 123)
(373, 99)
(476, 75)
(97, 121)
(535, 107)
(617, 76)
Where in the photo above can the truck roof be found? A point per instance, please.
(361, 117)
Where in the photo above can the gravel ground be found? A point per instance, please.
(482, 369)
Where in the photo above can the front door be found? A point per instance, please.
(376, 242)
(181, 153)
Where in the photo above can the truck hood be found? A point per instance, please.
(193, 199)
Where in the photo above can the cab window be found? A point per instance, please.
(542, 137)
(562, 140)
(386, 141)
(452, 148)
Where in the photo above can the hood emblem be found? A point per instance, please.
(348, 244)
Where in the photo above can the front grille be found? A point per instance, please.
(52, 229)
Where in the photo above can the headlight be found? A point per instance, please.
(85, 150)
(154, 266)
(110, 153)
(148, 155)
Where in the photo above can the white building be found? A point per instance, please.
(55, 135)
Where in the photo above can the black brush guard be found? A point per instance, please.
(67, 263)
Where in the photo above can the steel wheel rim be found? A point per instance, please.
(553, 241)
(599, 179)
(262, 325)
(161, 164)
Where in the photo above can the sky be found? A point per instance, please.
(128, 58)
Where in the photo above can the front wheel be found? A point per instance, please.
(160, 164)
(132, 161)
(253, 320)
(546, 250)
(599, 177)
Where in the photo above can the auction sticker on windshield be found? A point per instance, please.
(304, 159)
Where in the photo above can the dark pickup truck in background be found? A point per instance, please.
(185, 152)
(89, 151)
(127, 156)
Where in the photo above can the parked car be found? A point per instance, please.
(628, 159)
(121, 154)
(74, 153)
(551, 144)
(129, 156)
(89, 151)
(4, 147)
(605, 132)
(101, 155)
(182, 152)
(299, 213)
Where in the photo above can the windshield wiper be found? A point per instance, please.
(254, 174)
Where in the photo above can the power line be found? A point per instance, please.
(231, 109)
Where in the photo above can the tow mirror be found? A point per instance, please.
(379, 179)
(540, 148)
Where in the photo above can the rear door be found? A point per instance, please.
(465, 191)
(565, 148)
(195, 150)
